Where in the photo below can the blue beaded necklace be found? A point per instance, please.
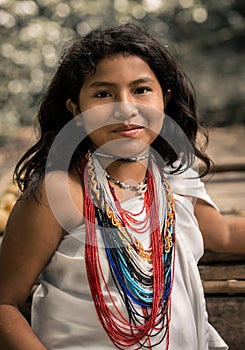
(141, 283)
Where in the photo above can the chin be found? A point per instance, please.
(125, 148)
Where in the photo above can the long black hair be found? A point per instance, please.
(79, 58)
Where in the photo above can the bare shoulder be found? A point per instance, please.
(64, 195)
(32, 235)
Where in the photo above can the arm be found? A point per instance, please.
(15, 332)
(31, 237)
(220, 234)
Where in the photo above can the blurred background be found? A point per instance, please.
(208, 37)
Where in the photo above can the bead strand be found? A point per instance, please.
(140, 187)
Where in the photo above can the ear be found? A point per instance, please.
(72, 107)
(167, 97)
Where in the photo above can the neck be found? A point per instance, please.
(122, 159)
(130, 173)
(126, 172)
(124, 168)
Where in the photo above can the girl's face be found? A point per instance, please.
(122, 105)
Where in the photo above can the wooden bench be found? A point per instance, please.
(223, 277)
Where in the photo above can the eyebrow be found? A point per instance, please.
(97, 84)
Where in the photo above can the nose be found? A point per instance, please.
(125, 110)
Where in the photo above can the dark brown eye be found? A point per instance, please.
(103, 94)
(141, 90)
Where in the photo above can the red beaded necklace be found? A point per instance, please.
(156, 316)
(131, 220)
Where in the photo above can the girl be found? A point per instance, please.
(111, 212)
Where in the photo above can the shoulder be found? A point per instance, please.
(64, 195)
(30, 239)
(189, 185)
(58, 201)
(34, 230)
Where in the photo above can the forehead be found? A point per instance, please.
(120, 67)
(123, 58)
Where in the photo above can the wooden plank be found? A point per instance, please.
(214, 258)
(226, 167)
(222, 272)
(226, 314)
(224, 287)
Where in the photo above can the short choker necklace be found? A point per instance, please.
(129, 159)
(140, 188)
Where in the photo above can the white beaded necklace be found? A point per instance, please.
(140, 188)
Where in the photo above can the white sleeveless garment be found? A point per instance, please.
(63, 312)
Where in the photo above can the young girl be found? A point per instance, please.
(112, 211)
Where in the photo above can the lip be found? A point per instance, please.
(130, 130)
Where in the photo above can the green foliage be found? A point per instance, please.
(206, 36)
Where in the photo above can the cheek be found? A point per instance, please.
(88, 125)
(155, 120)
(97, 118)
(157, 101)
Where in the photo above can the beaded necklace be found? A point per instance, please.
(131, 220)
(140, 188)
(143, 278)
(124, 159)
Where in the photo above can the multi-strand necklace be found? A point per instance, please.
(143, 277)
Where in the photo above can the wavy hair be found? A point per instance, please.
(79, 58)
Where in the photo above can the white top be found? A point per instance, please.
(63, 312)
